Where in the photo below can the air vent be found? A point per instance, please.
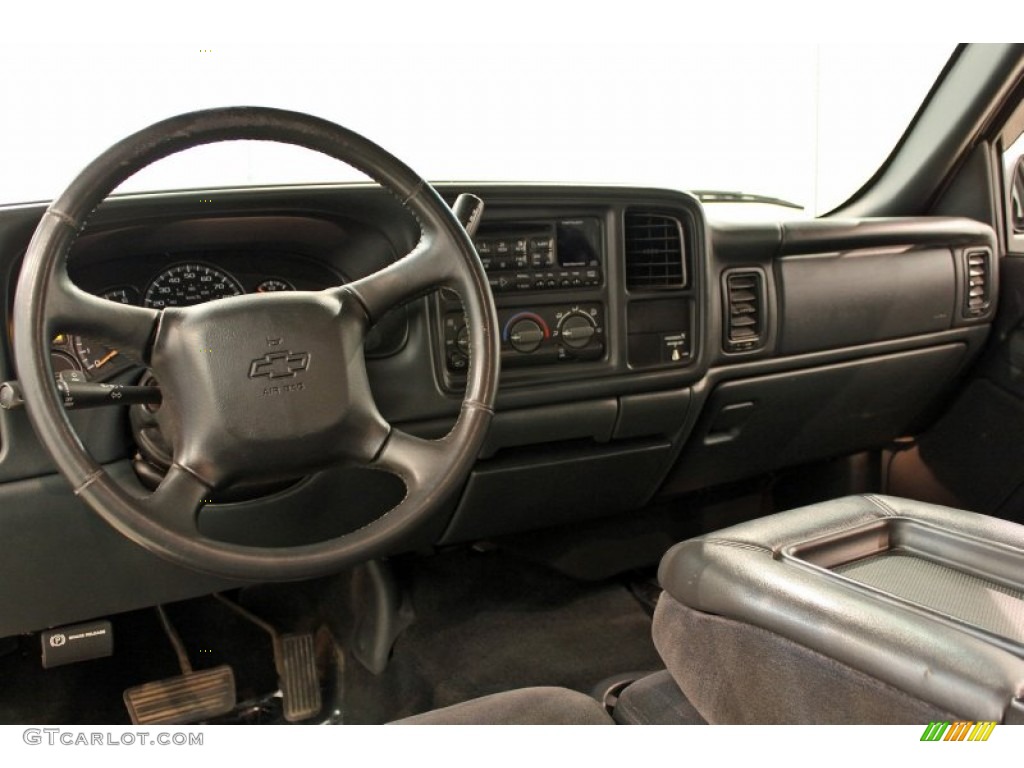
(978, 297)
(654, 252)
(744, 320)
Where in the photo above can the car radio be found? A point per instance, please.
(541, 256)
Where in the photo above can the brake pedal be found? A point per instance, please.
(295, 662)
(190, 698)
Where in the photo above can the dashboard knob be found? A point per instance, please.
(525, 335)
(576, 330)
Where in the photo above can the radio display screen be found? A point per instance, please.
(578, 243)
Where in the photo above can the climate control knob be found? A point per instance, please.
(576, 330)
(525, 335)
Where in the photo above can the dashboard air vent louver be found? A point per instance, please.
(744, 320)
(978, 296)
(655, 257)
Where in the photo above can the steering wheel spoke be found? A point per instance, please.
(413, 459)
(424, 268)
(72, 310)
(176, 502)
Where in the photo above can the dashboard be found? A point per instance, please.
(645, 354)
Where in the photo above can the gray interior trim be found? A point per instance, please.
(977, 601)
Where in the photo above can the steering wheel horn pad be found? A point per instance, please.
(270, 386)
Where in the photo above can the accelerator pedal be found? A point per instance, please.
(295, 662)
(190, 698)
(300, 684)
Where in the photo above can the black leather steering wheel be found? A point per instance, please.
(227, 417)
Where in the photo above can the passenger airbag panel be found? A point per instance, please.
(846, 299)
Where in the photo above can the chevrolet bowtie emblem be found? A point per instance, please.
(279, 365)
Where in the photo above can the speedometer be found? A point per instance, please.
(186, 284)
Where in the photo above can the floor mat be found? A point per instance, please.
(489, 622)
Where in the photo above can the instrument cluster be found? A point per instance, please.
(177, 280)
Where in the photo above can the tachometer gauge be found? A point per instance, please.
(185, 285)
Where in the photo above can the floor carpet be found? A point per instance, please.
(489, 622)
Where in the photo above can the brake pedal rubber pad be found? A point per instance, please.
(190, 698)
(79, 642)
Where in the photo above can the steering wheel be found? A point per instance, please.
(263, 386)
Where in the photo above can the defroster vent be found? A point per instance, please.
(655, 255)
(744, 321)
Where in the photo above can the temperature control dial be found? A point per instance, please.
(525, 332)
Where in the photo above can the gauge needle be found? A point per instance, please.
(105, 359)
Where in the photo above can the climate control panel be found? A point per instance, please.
(542, 335)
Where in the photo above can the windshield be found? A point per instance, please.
(804, 124)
